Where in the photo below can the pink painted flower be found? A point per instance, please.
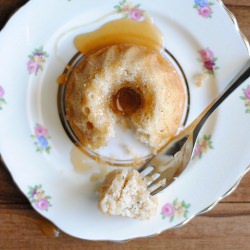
(41, 139)
(209, 65)
(33, 66)
(247, 93)
(203, 145)
(38, 198)
(135, 14)
(206, 54)
(41, 131)
(168, 210)
(36, 60)
(2, 92)
(42, 204)
(209, 60)
(176, 209)
(197, 150)
(205, 11)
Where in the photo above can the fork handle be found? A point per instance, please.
(197, 124)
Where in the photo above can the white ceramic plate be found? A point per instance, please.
(37, 150)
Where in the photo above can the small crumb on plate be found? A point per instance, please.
(200, 78)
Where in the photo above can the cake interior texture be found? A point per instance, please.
(124, 193)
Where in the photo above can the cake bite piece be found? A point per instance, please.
(125, 193)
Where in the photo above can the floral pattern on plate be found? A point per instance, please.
(36, 60)
(246, 98)
(204, 8)
(41, 138)
(2, 100)
(38, 197)
(209, 60)
(177, 209)
(131, 11)
(202, 146)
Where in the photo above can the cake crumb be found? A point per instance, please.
(200, 78)
(125, 193)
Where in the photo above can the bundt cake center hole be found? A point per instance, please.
(126, 101)
(90, 125)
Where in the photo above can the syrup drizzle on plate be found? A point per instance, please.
(124, 30)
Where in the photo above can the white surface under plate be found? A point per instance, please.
(202, 37)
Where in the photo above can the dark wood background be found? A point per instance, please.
(227, 226)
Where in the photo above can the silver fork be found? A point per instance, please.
(162, 169)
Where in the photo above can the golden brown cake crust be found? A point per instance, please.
(89, 93)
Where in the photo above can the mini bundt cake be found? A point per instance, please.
(125, 81)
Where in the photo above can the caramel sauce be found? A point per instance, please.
(125, 30)
(97, 177)
(47, 227)
(81, 162)
(84, 164)
(126, 101)
(62, 79)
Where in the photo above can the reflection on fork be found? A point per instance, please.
(162, 170)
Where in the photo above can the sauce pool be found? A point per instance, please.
(124, 30)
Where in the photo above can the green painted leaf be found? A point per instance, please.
(171, 218)
(207, 137)
(122, 2)
(175, 202)
(200, 155)
(47, 150)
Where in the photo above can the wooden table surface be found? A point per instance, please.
(227, 226)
